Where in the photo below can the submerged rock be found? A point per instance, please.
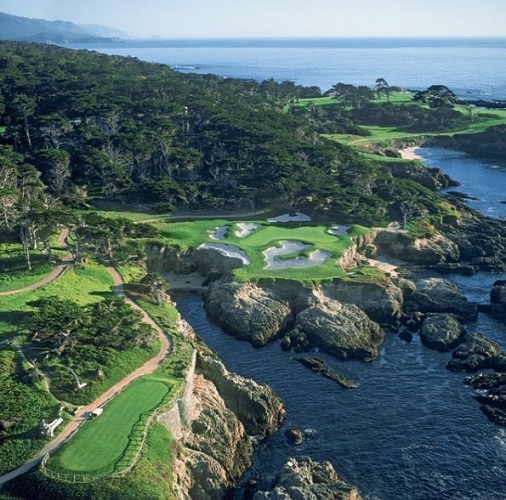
(319, 366)
(491, 393)
(295, 436)
(441, 332)
(307, 479)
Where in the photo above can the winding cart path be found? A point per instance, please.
(83, 412)
(52, 275)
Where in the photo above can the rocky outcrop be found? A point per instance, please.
(307, 479)
(441, 332)
(257, 407)
(436, 295)
(340, 329)
(381, 301)
(209, 263)
(476, 353)
(497, 306)
(491, 393)
(481, 241)
(489, 144)
(432, 178)
(247, 311)
(423, 251)
(218, 448)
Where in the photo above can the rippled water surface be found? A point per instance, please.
(411, 430)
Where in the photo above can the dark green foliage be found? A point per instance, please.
(139, 132)
(409, 118)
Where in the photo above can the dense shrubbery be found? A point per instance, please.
(139, 132)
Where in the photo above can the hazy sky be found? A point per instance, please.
(250, 18)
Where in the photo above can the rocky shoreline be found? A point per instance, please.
(345, 318)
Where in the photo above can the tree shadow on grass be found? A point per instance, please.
(104, 295)
(14, 318)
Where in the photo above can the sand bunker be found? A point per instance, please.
(339, 230)
(245, 229)
(219, 233)
(298, 217)
(316, 258)
(228, 251)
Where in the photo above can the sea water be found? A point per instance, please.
(474, 68)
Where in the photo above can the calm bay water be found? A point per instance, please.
(473, 68)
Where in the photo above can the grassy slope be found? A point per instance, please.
(483, 119)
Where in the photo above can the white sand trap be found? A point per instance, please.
(245, 229)
(228, 251)
(339, 230)
(316, 258)
(298, 217)
(218, 233)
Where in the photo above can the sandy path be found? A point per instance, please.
(51, 276)
(82, 413)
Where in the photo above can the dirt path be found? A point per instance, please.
(51, 276)
(83, 411)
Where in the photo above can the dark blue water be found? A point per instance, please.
(412, 430)
(484, 179)
(473, 68)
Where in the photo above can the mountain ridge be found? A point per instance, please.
(27, 29)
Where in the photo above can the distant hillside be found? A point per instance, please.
(39, 30)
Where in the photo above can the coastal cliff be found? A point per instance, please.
(217, 447)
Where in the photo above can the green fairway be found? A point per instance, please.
(101, 442)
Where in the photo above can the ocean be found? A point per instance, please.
(474, 68)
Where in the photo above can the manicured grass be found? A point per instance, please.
(101, 443)
(192, 234)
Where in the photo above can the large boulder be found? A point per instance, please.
(247, 311)
(305, 478)
(424, 251)
(476, 353)
(340, 329)
(381, 301)
(436, 295)
(497, 306)
(441, 332)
